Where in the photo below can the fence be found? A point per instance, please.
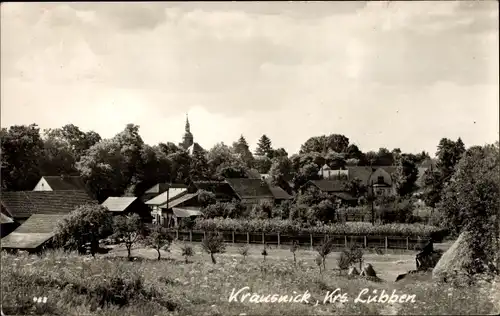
(309, 240)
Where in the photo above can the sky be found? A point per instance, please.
(395, 75)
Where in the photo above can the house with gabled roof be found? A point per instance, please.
(125, 205)
(160, 188)
(35, 234)
(251, 191)
(222, 190)
(334, 188)
(23, 204)
(60, 183)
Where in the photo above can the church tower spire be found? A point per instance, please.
(187, 139)
(187, 124)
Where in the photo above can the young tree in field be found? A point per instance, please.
(264, 252)
(85, 225)
(129, 230)
(325, 249)
(244, 251)
(293, 250)
(159, 239)
(213, 243)
(187, 251)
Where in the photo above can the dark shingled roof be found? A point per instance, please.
(221, 189)
(22, 204)
(250, 188)
(37, 229)
(58, 183)
(163, 187)
(363, 172)
(279, 193)
(330, 185)
(118, 204)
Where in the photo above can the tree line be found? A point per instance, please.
(124, 164)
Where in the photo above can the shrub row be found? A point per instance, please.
(293, 227)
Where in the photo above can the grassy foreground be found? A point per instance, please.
(110, 285)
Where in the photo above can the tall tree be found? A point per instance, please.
(384, 157)
(406, 175)
(199, 169)
(264, 146)
(281, 173)
(76, 140)
(112, 165)
(22, 148)
(335, 142)
(242, 149)
(448, 154)
(223, 163)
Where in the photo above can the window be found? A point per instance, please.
(380, 180)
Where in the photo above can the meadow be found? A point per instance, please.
(111, 285)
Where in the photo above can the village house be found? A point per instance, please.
(380, 179)
(38, 213)
(251, 191)
(128, 205)
(334, 188)
(60, 183)
(160, 202)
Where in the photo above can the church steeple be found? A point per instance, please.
(187, 139)
(187, 124)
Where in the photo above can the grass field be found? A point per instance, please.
(111, 285)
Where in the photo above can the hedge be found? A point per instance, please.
(288, 226)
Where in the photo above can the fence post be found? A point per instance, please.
(311, 239)
(233, 237)
(263, 238)
(248, 238)
(365, 241)
(279, 239)
(407, 243)
(204, 234)
(345, 239)
(385, 243)
(190, 236)
(177, 234)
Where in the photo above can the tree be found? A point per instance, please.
(293, 249)
(355, 187)
(57, 158)
(264, 147)
(325, 248)
(277, 153)
(187, 251)
(449, 154)
(129, 230)
(384, 157)
(110, 166)
(335, 142)
(432, 187)
(74, 139)
(281, 173)
(199, 169)
(213, 244)
(22, 148)
(470, 203)
(406, 175)
(242, 149)
(181, 167)
(243, 250)
(154, 167)
(159, 239)
(223, 163)
(206, 198)
(263, 164)
(85, 225)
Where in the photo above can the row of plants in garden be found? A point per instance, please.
(294, 227)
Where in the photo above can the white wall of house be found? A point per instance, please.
(42, 185)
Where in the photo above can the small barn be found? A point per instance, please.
(184, 207)
(222, 190)
(334, 188)
(34, 235)
(160, 188)
(128, 205)
(60, 183)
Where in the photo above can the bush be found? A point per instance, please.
(87, 224)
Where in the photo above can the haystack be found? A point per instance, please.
(455, 260)
(368, 271)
